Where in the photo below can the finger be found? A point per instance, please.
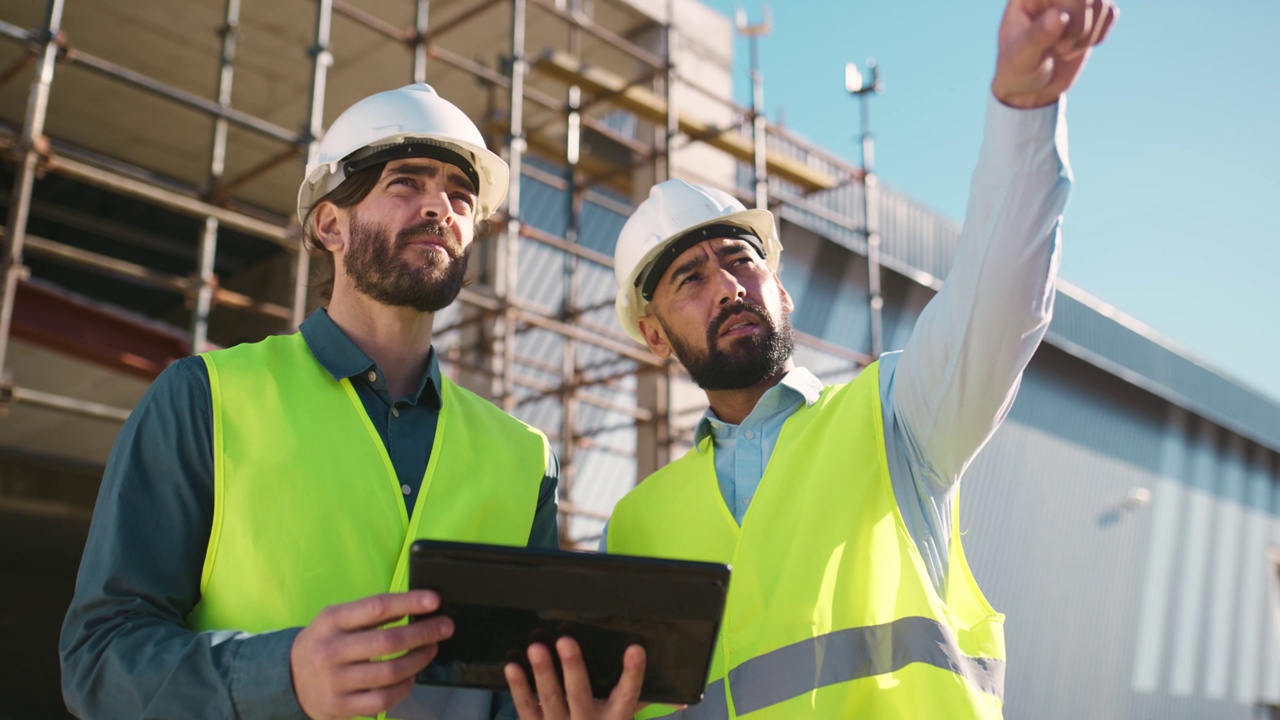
(378, 610)
(525, 702)
(623, 699)
(375, 674)
(577, 686)
(1088, 20)
(1028, 52)
(1093, 16)
(1111, 13)
(398, 638)
(368, 703)
(367, 644)
(550, 694)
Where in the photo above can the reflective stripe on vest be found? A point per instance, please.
(839, 618)
(852, 654)
(308, 510)
(845, 655)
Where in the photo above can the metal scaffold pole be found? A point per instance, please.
(662, 410)
(321, 59)
(855, 84)
(569, 310)
(509, 255)
(206, 282)
(33, 141)
(420, 41)
(759, 125)
(654, 383)
(673, 116)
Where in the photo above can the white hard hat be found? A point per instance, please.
(676, 216)
(412, 121)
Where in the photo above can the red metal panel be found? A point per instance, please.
(97, 333)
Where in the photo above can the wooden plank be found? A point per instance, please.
(652, 107)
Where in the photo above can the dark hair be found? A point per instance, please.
(347, 195)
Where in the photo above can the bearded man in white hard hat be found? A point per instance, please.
(250, 539)
(837, 505)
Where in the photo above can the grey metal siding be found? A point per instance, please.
(1118, 608)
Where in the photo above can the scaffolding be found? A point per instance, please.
(588, 120)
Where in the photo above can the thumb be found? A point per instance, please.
(1030, 49)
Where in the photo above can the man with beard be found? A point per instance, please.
(247, 556)
(837, 506)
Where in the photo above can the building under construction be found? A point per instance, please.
(1126, 518)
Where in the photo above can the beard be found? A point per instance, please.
(747, 361)
(377, 266)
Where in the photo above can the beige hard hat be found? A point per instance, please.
(676, 216)
(412, 121)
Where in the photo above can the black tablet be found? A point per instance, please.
(502, 599)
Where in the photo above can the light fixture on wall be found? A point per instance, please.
(1137, 497)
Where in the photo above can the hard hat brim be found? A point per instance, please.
(491, 171)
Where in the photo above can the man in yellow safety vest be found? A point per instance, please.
(248, 553)
(837, 505)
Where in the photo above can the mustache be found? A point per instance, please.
(734, 309)
(431, 228)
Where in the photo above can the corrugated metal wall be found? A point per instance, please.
(1119, 608)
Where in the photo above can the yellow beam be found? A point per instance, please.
(595, 169)
(652, 107)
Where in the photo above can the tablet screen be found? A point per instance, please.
(501, 599)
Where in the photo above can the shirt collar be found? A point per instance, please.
(342, 358)
(797, 383)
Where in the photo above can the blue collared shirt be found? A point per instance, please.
(125, 647)
(407, 425)
(742, 451)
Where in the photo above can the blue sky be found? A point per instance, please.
(1174, 144)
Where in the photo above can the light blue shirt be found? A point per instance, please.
(743, 451)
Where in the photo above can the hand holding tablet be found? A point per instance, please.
(502, 600)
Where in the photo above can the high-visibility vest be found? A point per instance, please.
(308, 511)
(830, 613)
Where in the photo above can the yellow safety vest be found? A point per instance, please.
(830, 613)
(308, 511)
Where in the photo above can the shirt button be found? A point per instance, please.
(395, 412)
(750, 434)
(373, 376)
(406, 489)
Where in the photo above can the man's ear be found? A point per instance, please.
(654, 336)
(330, 227)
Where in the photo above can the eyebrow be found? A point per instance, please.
(724, 251)
(686, 268)
(430, 171)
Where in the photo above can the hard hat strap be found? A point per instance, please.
(680, 243)
(410, 148)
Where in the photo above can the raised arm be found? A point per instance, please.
(959, 373)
